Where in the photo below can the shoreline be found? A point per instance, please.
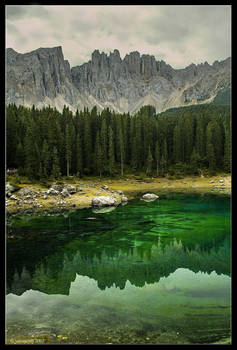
(131, 187)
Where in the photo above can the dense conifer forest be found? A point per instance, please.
(45, 143)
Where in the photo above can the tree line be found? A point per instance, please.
(45, 143)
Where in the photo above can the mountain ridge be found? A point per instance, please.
(43, 77)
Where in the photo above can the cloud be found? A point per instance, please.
(177, 34)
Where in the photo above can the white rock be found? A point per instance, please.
(124, 198)
(150, 196)
(104, 201)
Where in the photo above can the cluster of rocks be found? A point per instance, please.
(220, 186)
(57, 193)
(24, 196)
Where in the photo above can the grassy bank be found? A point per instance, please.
(131, 186)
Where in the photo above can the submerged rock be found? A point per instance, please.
(103, 210)
(104, 201)
(150, 196)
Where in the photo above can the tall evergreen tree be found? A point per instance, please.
(149, 161)
(45, 159)
(68, 149)
(104, 144)
(55, 173)
(210, 148)
(79, 162)
(111, 159)
(121, 147)
(98, 155)
(157, 157)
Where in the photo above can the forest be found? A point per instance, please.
(44, 143)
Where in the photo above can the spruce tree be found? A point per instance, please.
(103, 135)
(79, 154)
(98, 155)
(121, 147)
(55, 173)
(211, 157)
(45, 159)
(68, 149)
(20, 157)
(149, 162)
(111, 160)
(157, 157)
(227, 152)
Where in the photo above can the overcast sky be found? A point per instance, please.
(179, 35)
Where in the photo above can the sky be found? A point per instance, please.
(177, 34)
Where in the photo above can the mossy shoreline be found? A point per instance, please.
(132, 187)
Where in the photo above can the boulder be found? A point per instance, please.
(56, 187)
(104, 201)
(70, 188)
(14, 197)
(65, 192)
(120, 192)
(9, 189)
(124, 199)
(104, 187)
(25, 191)
(150, 196)
(53, 192)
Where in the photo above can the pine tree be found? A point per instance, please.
(149, 162)
(121, 147)
(164, 158)
(98, 154)
(103, 135)
(79, 160)
(87, 143)
(111, 152)
(157, 157)
(20, 157)
(55, 173)
(227, 152)
(178, 142)
(68, 149)
(31, 154)
(45, 159)
(211, 157)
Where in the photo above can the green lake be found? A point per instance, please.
(144, 273)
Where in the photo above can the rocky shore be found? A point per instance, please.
(60, 196)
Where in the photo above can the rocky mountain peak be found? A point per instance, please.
(43, 77)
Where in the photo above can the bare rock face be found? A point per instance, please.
(40, 77)
(43, 77)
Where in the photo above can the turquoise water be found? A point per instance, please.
(147, 272)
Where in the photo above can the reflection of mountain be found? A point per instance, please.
(142, 264)
(116, 247)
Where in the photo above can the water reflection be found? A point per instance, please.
(148, 272)
(140, 243)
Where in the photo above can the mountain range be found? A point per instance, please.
(43, 77)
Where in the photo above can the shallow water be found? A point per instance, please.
(147, 272)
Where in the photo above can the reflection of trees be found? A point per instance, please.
(111, 250)
(145, 265)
